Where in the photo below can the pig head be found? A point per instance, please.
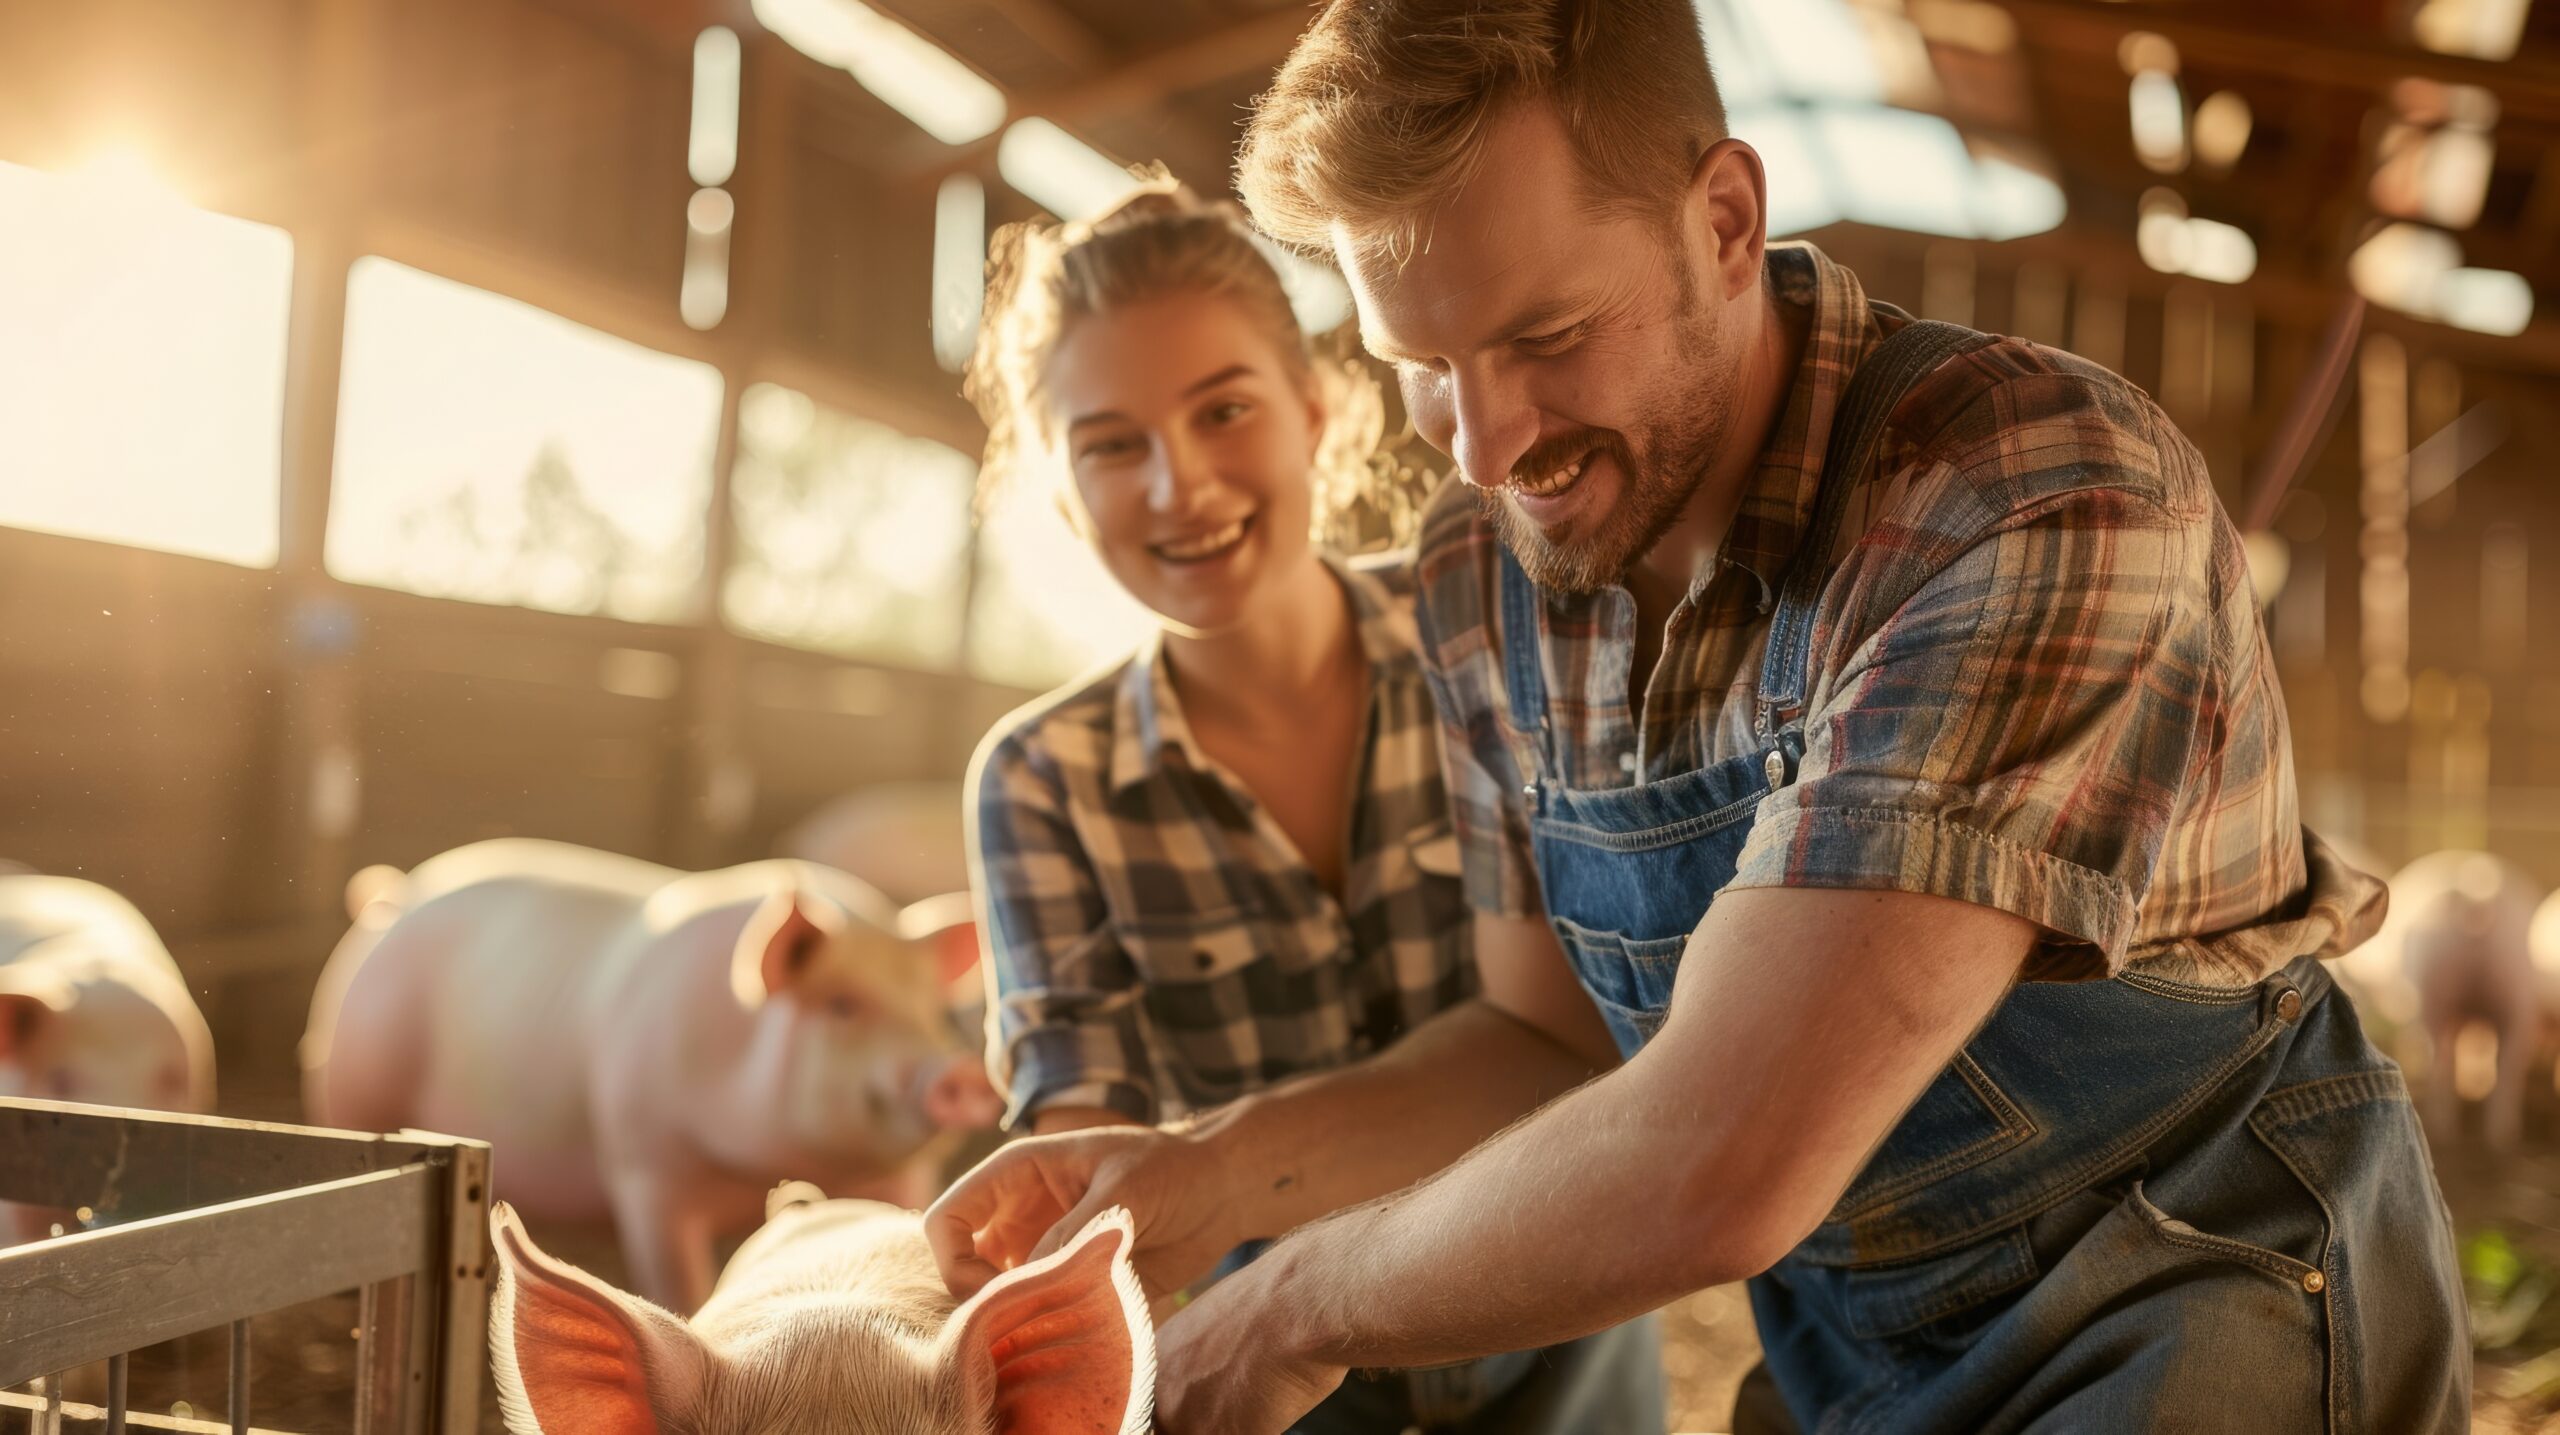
(92, 1009)
(834, 1055)
(830, 1321)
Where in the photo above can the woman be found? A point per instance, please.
(1225, 861)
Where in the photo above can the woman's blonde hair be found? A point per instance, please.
(1161, 240)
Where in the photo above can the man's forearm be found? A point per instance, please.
(1704, 1159)
(1315, 1145)
(1550, 1231)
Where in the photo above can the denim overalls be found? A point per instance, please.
(2132, 1204)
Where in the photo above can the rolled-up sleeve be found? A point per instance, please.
(2016, 725)
(1065, 1025)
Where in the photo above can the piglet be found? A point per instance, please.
(2462, 922)
(830, 1320)
(92, 1009)
(91, 1006)
(656, 1046)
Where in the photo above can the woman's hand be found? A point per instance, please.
(1031, 1196)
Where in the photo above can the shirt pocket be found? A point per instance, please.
(1211, 984)
(1195, 947)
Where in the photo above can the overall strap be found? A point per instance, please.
(1857, 427)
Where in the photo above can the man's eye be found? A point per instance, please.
(1553, 342)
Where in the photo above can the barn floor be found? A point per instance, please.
(2508, 1211)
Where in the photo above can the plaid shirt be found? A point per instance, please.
(1155, 944)
(2037, 680)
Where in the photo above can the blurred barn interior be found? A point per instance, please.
(424, 422)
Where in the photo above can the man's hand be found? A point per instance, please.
(1220, 1372)
(1021, 1202)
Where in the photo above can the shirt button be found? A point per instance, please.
(1626, 762)
(1777, 769)
(2314, 1282)
(1205, 960)
(2289, 1006)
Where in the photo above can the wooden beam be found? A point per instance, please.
(1261, 42)
(85, 1297)
(2292, 297)
(151, 1163)
(2330, 58)
(1045, 23)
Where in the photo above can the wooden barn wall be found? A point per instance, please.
(170, 726)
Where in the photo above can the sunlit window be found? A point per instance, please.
(141, 365)
(489, 450)
(851, 536)
(1044, 608)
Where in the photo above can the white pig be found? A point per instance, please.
(91, 1006)
(2463, 921)
(905, 838)
(92, 1009)
(830, 1320)
(652, 1045)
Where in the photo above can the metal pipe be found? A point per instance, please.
(239, 1377)
(115, 1394)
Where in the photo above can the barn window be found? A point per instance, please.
(491, 451)
(1043, 608)
(142, 347)
(851, 536)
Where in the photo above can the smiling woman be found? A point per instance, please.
(142, 372)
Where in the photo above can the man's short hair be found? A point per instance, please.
(1380, 113)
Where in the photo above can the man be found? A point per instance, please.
(1876, 805)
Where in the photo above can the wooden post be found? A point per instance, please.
(317, 635)
(462, 1337)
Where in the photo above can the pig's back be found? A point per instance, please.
(500, 943)
(38, 910)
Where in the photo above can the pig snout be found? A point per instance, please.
(955, 1095)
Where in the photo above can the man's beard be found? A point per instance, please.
(1660, 469)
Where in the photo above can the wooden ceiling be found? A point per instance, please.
(1171, 80)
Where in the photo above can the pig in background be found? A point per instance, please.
(2457, 949)
(92, 1009)
(905, 838)
(831, 1320)
(650, 1045)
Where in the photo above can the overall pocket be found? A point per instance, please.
(1629, 978)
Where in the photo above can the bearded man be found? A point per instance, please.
(1877, 810)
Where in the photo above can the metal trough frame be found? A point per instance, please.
(208, 1222)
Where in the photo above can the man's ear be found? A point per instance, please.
(1724, 218)
(1064, 1345)
(573, 1354)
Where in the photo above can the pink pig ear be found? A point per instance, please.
(780, 942)
(573, 1354)
(950, 926)
(1063, 1346)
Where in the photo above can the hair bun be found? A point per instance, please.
(1159, 199)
